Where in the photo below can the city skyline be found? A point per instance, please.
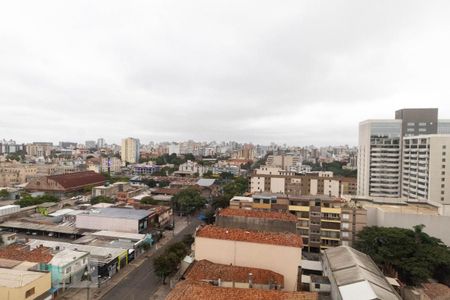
(292, 73)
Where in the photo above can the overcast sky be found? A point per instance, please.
(296, 72)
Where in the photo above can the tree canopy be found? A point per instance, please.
(415, 255)
(167, 263)
(4, 194)
(28, 200)
(188, 200)
(148, 200)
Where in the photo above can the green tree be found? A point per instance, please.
(188, 200)
(27, 200)
(101, 199)
(148, 200)
(4, 194)
(415, 255)
(165, 265)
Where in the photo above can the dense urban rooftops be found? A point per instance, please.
(258, 214)
(23, 253)
(262, 237)
(206, 270)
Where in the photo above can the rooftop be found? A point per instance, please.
(205, 182)
(261, 214)
(12, 278)
(120, 213)
(355, 273)
(193, 290)
(66, 256)
(119, 235)
(23, 253)
(206, 270)
(262, 237)
(40, 227)
(78, 179)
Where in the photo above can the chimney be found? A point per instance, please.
(250, 280)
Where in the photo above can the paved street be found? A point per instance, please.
(142, 282)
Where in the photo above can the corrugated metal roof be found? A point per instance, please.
(356, 274)
(205, 182)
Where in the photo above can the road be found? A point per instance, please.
(142, 283)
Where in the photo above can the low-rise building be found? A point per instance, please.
(195, 290)
(354, 275)
(24, 285)
(238, 247)
(257, 220)
(66, 182)
(115, 219)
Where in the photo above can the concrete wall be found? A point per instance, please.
(280, 259)
(101, 223)
(277, 185)
(436, 226)
(256, 224)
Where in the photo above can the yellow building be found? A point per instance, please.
(21, 284)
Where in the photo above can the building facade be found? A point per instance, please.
(379, 158)
(130, 150)
(425, 175)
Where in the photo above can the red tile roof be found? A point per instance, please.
(194, 290)
(78, 179)
(262, 214)
(436, 290)
(262, 237)
(206, 270)
(23, 253)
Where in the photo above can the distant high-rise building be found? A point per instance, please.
(68, 145)
(91, 144)
(130, 150)
(444, 126)
(100, 143)
(379, 158)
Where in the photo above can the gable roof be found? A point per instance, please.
(261, 237)
(355, 273)
(78, 179)
(194, 290)
(206, 270)
(261, 214)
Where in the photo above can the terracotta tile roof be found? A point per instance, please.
(166, 191)
(194, 290)
(78, 179)
(23, 253)
(258, 214)
(436, 290)
(206, 270)
(262, 237)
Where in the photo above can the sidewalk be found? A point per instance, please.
(97, 293)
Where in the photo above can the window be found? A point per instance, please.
(410, 124)
(345, 234)
(443, 172)
(345, 226)
(443, 166)
(29, 293)
(444, 146)
(442, 185)
(317, 286)
(345, 216)
(422, 124)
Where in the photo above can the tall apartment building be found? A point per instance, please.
(275, 180)
(130, 150)
(395, 157)
(379, 158)
(285, 162)
(425, 172)
(100, 143)
(90, 144)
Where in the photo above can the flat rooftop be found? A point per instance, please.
(119, 235)
(261, 237)
(410, 208)
(120, 213)
(40, 227)
(12, 278)
(260, 214)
